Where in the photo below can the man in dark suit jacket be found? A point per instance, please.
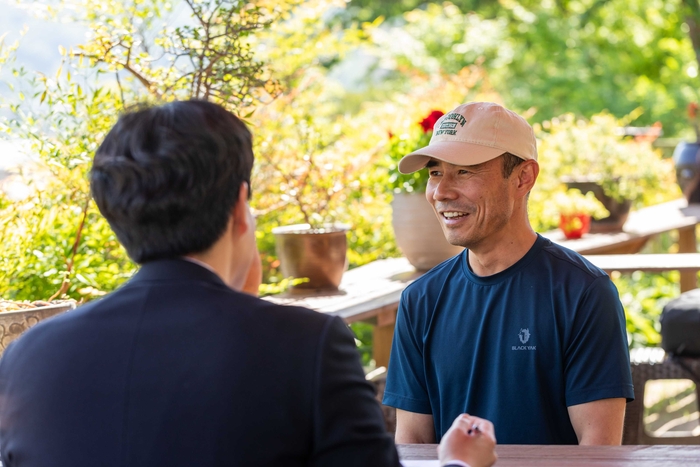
(179, 367)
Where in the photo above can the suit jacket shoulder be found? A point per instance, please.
(177, 369)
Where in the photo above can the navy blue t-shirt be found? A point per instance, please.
(516, 348)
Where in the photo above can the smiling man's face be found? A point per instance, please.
(474, 203)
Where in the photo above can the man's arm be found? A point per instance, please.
(598, 422)
(414, 428)
(598, 366)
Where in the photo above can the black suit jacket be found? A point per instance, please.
(176, 369)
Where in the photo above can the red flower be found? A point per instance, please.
(429, 122)
(693, 109)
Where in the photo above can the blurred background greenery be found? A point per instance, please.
(334, 92)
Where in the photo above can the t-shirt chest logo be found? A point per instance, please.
(524, 336)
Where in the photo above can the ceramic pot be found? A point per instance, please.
(14, 323)
(574, 225)
(418, 232)
(619, 210)
(317, 254)
(686, 159)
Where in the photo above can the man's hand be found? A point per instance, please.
(471, 440)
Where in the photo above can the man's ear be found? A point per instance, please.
(527, 173)
(241, 215)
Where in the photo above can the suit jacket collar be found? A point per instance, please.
(175, 269)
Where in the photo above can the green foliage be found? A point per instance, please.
(279, 287)
(644, 294)
(324, 153)
(307, 162)
(364, 339)
(313, 158)
(399, 146)
(592, 150)
(551, 57)
(209, 57)
(643, 297)
(578, 148)
(311, 164)
(40, 259)
(572, 201)
(55, 242)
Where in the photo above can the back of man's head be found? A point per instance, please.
(166, 178)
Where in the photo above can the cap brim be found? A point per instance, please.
(453, 152)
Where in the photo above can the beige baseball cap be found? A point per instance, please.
(473, 133)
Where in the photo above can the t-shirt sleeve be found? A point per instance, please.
(405, 384)
(597, 364)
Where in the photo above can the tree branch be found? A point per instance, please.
(692, 19)
(70, 262)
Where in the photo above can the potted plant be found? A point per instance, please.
(593, 156)
(686, 158)
(417, 229)
(310, 169)
(18, 316)
(305, 177)
(576, 210)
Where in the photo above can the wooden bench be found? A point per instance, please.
(686, 263)
(368, 293)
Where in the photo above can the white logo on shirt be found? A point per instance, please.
(524, 336)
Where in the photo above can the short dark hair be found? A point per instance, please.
(510, 162)
(167, 177)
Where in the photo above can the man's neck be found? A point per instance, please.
(222, 260)
(490, 260)
(200, 263)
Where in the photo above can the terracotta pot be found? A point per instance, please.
(14, 323)
(574, 225)
(316, 254)
(619, 210)
(418, 233)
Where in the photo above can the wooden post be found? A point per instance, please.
(383, 336)
(687, 244)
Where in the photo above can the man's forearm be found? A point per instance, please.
(599, 422)
(414, 428)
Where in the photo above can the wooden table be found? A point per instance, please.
(575, 456)
(687, 263)
(371, 292)
(640, 227)
(368, 293)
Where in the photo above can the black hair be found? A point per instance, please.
(167, 177)
(510, 162)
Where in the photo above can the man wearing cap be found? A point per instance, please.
(516, 329)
